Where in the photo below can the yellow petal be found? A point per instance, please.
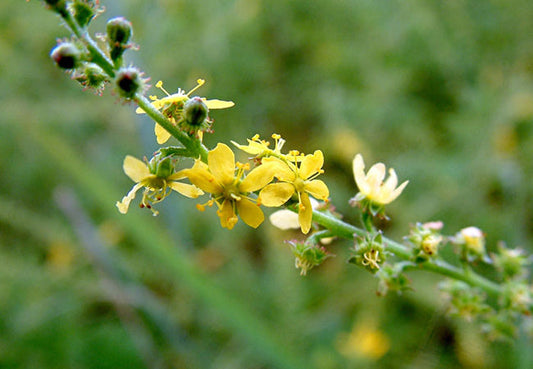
(359, 174)
(250, 213)
(136, 169)
(161, 134)
(221, 161)
(140, 111)
(305, 213)
(258, 177)
(375, 176)
(125, 203)
(311, 164)
(219, 104)
(283, 172)
(202, 178)
(318, 189)
(275, 194)
(186, 189)
(254, 148)
(227, 216)
(394, 194)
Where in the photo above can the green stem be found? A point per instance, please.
(98, 57)
(195, 147)
(343, 229)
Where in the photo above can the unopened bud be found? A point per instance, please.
(84, 11)
(66, 55)
(59, 6)
(119, 31)
(129, 81)
(195, 112)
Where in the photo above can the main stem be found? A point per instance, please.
(346, 230)
(194, 147)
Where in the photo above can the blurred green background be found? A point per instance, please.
(440, 90)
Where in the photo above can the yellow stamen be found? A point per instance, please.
(200, 84)
(159, 85)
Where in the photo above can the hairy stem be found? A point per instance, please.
(345, 230)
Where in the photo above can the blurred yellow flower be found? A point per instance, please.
(223, 179)
(294, 178)
(156, 188)
(364, 341)
(172, 107)
(371, 185)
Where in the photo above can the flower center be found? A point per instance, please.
(299, 185)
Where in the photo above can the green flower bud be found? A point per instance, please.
(84, 11)
(66, 55)
(59, 6)
(308, 255)
(119, 31)
(92, 76)
(195, 112)
(129, 81)
(511, 263)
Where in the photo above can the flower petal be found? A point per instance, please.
(125, 203)
(186, 189)
(394, 194)
(275, 194)
(250, 213)
(359, 173)
(227, 216)
(218, 104)
(258, 177)
(375, 176)
(311, 164)
(200, 176)
(318, 189)
(221, 161)
(305, 213)
(283, 171)
(136, 169)
(161, 134)
(284, 219)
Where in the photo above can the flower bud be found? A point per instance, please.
(308, 255)
(84, 11)
(129, 81)
(119, 32)
(66, 55)
(59, 6)
(195, 112)
(511, 263)
(92, 76)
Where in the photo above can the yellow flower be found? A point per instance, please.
(172, 107)
(296, 175)
(223, 179)
(371, 185)
(156, 187)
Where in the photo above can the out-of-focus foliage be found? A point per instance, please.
(440, 90)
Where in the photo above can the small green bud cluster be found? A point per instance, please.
(308, 255)
(391, 278)
(471, 244)
(465, 301)
(369, 252)
(425, 240)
